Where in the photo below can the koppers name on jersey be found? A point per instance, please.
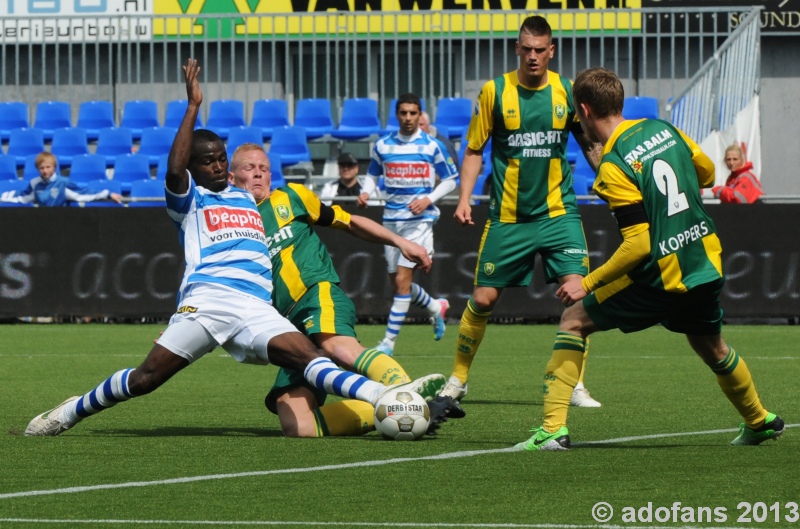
(408, 174)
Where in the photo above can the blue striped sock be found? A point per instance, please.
(397, 316)
(113, 390)
(330, 378)
(420, 298)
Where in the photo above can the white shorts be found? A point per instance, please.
(418, 232)
(212, 315)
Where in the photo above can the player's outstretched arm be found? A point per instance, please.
(369, 230)
(177, 179)
(470, 169)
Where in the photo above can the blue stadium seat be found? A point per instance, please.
(161, 169)
(453, 115)
(359, 119)
(147, 194)
(112, 142)
(391, 121)
(291, 144)
(24, 142)
(88, 167)
(95, 186)
(239, 135)
(29, 169)
(94, 116)
(156, 142)
(314, 115)
(269, 114)
(176, 109)
(10, 188)
(129, 168)
(277, 171)
(52, 115)
(573, 148)
(582, 178)
(8, 168)
(13, 115)
(68, 143)
(640, 107)
(138, 115)
(224, 114)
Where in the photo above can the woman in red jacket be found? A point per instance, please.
(742, 186)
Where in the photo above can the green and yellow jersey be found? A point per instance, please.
(653, 164)
(299, 259)
(531, 179)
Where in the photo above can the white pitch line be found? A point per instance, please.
(359, 524)
(322, 468)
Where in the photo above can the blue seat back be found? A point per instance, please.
(156, 142)
(139, 114)
(240, 135)
(224, 114)
(276, 169)
(112, 142)
(68, 143)
(94, 116)
(640, 107)
(131, 167)
(52, 115)
(314, 115)
(10, 188)
(24, 142)
(88, 167)
(96, 186)
(8, 167)
(149, 189)
(176, 109)
(13, 115)
(453, 115)
(291, 144)
(268, 114)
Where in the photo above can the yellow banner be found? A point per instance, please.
(386, 17)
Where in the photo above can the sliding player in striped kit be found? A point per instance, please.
(226, 293)
(410, 160)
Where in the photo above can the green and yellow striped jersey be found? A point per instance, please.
(531, 179)
(299, 258)
(653, 163)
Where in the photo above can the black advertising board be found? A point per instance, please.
(779, 17)
(128, 263)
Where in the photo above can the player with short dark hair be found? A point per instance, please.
(528, 114)
(667, 270)
(226, 293)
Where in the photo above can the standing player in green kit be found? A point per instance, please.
(667, 270)
(528, 114)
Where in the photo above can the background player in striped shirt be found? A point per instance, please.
(667, 270)
(410, 160)
(226, 293)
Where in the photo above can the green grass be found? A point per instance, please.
(210, 421)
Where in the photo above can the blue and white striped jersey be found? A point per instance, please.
(409, 165)
(223, 238)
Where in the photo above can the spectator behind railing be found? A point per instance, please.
(742, 185)
(425, 125)
(53, 190)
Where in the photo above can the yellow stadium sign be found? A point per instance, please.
(315, 18)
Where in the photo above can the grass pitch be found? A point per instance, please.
(203, 450)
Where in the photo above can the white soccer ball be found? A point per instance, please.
(402, 415)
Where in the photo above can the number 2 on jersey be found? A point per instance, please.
(667, 183)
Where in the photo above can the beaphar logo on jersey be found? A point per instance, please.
(223, 218)
(407, 170)
(560, 111)
(283, 212)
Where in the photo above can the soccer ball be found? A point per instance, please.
(402, 415)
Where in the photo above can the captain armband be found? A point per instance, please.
(326, 215)
(630, 215)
